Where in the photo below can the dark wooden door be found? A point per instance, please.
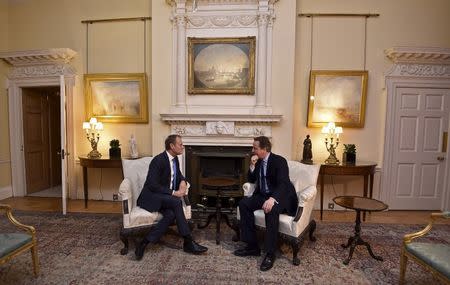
(55, 136)
(36, 140)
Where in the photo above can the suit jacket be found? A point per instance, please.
(278, 182)
(158, 182)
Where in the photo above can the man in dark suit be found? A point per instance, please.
(274, 194)
(163, 190)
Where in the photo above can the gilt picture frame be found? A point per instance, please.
(221, 65)
(337, 96)
(116, 97)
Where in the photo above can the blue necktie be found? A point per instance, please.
(263, 178)
(174, 167)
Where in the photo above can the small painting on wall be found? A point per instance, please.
(221, 65)
(116, 97)
(337, 96)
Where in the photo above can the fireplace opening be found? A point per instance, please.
(209, 168)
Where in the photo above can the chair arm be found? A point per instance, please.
(433, 217)
(248, 188)
(125, 190)
(15, 222)
(306, 195)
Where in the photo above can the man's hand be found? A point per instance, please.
(182, 190)
(268, 205)
(253, 161)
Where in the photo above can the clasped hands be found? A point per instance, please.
(182, 190)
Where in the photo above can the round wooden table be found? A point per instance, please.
(359, 204)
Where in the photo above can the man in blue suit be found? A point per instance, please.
(274, 194)
(163, 190)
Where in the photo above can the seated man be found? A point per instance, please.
(274, 194)
(163, 190)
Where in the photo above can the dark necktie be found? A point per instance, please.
(174, 167)
(263, 185)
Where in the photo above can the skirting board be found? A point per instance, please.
(6, 192)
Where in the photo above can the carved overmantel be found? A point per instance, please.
(226, 129)
(222, 119)
(38, 63)
(419, 61)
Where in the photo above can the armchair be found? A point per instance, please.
(293, 229)
(434, 257)
(13, 244)
(137, 221)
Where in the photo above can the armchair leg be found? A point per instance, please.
(295, 249)
(34, 255)
(403, 262)
(124, 239)
(312, 228)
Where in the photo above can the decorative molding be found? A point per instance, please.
(5, 161)
(220, 128)
(204, 22)
(38, 57)
(420, 70)
(412, 55)
(219, 2)
(40, 63)
(419, 62)
(203, 118)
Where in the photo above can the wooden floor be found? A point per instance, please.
(77, 206)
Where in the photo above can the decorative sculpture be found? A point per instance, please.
(133, 147)
(307, 151)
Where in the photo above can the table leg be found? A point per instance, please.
(85, 186)
(321, 196)
(366, 186)
(218, 217)
(357, 240)
(371, 185)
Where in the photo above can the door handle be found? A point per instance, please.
(440, 158)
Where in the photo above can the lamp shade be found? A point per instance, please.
(99, 126)
(86, 126)
(93, 121)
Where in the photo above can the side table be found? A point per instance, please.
(102, 162)
(218, 185)
(366, 169)
(359, 204)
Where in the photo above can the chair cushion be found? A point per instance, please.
(435, 255)
(141, 217)
(12, 241)
(302, 176)
(285, 222)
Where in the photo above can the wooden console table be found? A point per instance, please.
(102, 162)
(366, 169)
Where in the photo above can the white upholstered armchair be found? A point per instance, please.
(293, 229)
(137, 221)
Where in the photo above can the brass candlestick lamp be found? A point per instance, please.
(331, 141)
(93, 129)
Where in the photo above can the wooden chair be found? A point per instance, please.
(13, 244)
(434, 257)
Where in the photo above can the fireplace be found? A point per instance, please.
(207, 165)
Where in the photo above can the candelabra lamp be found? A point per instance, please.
(93, 129)
(331, 141)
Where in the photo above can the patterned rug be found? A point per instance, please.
(84, 249)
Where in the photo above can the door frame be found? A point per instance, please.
(413, 68)
(16, 126)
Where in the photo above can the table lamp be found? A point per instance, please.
(331, 141)
(93, 129)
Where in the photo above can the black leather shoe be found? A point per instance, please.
(139, 252)
(191, 246)
(267, 263)
(247, 251)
